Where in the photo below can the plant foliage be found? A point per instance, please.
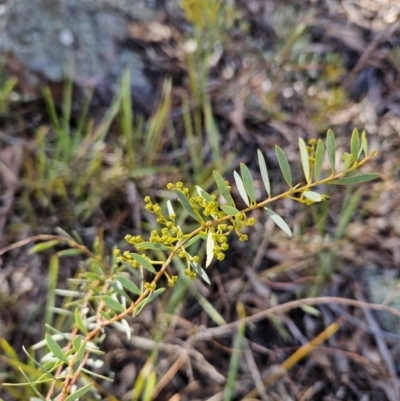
(111, 289)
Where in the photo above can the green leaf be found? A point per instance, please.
(79, 393)
(186, 205)
(355, 144)
(248, 181)
(223, 188)
(69, 252)
(200, 271)
(319, 159)
(331, 149)
(364, 143)
(143, 262)
(43, 246)
(279, 222)
(79, 321)
(112, 303)
(171, 211)
(152, 245)
(264, 172)
(284, 165)
(56, 349)
(241, 189)
(76, 342)
(204, 194)
(314, 196)
(128, 284)
(304, 159)
(230, 210)
(355, 179)
(209, 248)
(347, 161)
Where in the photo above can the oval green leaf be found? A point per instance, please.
(186, 205)
(128, 284)
(331, 149)
(200, 271)
(264, 172)
(79, 393)
(144, 262)
(355, 144)
(241, 189)
(248, 181)
(304, 159)
(319, 159)
(43, 246)
(355, 179)
(152, 245)
(279, 222)
(364, 143)
(112, 303)
(56, 349)
(204, 194)
(223, 188)
(79, 321)
(284, 165)
(230, 210)
(347, 161)
(314, 196)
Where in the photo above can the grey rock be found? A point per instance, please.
(39, 38)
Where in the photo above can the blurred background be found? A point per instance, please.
(104, 102)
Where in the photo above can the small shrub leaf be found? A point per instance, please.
(79, 393)
(209, 248)
(284, 165)
(230, 210)
(223, 188)
(319, 159)
(347, 161)
(200, 271)
(112, 303)
(314, 196)
(355, 144)
(56, 349)
(279, 222)
(128, 284)
(79, 321)
(364, 143)
(355, 179)
(204, 194)
(76, 342)
(43, 246)
(241, 189)
(186, 205)
(331, 149)
(171, 211)
(304, 159)
(152, 245)
(248, 181)
(143, 262)
(264, 172)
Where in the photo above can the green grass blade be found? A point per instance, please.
(355, 144)
(248, 181)
(51, 287)
(211, 130)
(355, 179)
(319, 159)
(284, 165)
(304, 159)
(241, 188)
(223, 188)
(264, 172)
(331, 149)
(279, 222)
